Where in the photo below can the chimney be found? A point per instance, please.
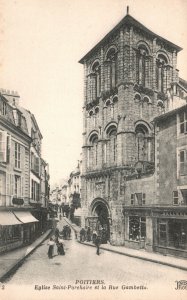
(11, 96)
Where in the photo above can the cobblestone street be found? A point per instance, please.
(81, 263)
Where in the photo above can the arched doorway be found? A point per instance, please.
(100, 219)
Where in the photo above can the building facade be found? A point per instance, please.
(18, 223)
(170, 213)
(130, 78)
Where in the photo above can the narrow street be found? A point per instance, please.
(81, 263)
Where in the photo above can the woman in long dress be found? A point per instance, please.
(51, 244)
(60, 247)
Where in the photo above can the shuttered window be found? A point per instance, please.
(183, 162)
(3, 146)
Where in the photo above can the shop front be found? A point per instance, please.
(138, 229)
(170, 236)
(11, 231)
(29, 225)
(41, 215)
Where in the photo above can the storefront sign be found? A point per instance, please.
(17, 201)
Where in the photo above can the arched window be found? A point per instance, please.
(112, 135)
(91, 113)
(161, 72)
(107, 103)
(142, 147)
(96, 116)
(96, 81)
(94, 150)
(97, 110)
(111, 59)
(160, 106)
(137, 98)
(142, 65)
(115, 99)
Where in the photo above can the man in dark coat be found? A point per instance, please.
(97, 243)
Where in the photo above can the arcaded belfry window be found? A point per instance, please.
(94, 149)
(142, 66)
(111, 59)
(96, 80)
(112, 135)
(143, 143)
(161, 73)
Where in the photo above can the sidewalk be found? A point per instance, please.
(72, 225)
(171, 261)
(11, 260)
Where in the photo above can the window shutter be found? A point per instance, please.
(3, 146)
(12, 185)
(37, 164)
(8, 184)
(8, 148)
(22, 186)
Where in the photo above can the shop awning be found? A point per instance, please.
(8, 218)
(25, 216)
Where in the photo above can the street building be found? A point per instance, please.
(74, 193)
(170, 212)
(20, 198)
(131, 82)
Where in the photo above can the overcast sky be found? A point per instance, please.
(41, 42)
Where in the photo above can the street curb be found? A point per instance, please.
(135, 256)
(14, 267)
(139, 257)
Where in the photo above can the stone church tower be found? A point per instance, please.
(130, 77)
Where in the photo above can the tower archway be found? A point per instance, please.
(99, 219)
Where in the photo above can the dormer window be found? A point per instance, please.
(4, 109)
(19, 119)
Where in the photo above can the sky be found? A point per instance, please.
(41, 42)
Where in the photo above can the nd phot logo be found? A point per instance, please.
(181, 285)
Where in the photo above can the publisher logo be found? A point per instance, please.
(181, 285)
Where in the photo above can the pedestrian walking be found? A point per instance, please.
(88, 234)
(94, 236)
(60, 247)
(51, 244)
(98, 243)
(82, 235)
(68, 232)
(56, 234)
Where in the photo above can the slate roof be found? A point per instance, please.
(129, 20)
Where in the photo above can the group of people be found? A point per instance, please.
(66, 232)
(55, 240)
(86, 235)
(60, 247)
